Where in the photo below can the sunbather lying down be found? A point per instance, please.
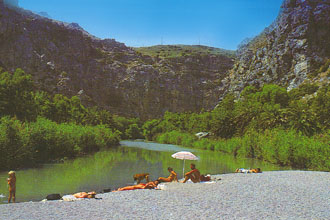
(242, 170)
(149, 185)
(82, 195)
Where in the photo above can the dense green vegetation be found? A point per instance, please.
(28, 144)
(285, 148)
(268, 123)
(36, 127)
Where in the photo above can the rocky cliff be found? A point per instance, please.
(63, 58)
(289, 52)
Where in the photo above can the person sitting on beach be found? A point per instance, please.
(12, 186)
(139, 177)
(242, 170)
(83, 195)
(172, 177)
(149, 185)
(193, 175)
(257, 170)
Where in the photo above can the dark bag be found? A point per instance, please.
(107, 190)
(54, 197)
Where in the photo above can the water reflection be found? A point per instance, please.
(116, 167)
(154, 146)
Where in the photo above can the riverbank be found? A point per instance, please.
(277, 146)
(269, 195)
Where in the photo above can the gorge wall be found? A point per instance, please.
(287, 53)
(63, 58)
(146, 82)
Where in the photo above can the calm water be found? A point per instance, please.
(115, 168)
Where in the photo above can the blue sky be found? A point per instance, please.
(217, 23)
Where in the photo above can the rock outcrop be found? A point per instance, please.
(63, 58)
(288, 52)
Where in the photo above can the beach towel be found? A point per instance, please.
(70, 198)
(242, 170)
(161, 186)
(203, 182)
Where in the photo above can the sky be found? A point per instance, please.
(217, 23)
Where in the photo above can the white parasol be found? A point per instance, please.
(184, 155)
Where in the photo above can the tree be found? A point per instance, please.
(45, 106)
(302, 90)
(273, 94)
(321, 107)
(16, 95)
(302, 118)
(222, 124)
(62, 107)
(77, 110)
(134, 132)
(151, 128)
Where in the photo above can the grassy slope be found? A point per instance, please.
(172, 51)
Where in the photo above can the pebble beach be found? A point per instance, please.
(267, 195)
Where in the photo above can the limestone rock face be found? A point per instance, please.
(288, 51)
(63, 58)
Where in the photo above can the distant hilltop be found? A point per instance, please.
(44, 14)
(12, 3)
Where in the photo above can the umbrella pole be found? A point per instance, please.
(183, 168)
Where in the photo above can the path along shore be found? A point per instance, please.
(267, 195)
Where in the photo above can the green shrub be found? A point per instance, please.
(28, 144)
(12, 150)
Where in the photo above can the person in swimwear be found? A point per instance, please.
(83, 195)
(12, 186)
(172, 177)
(242, 170)
(150, 185)
(257, 170)
(194, 175)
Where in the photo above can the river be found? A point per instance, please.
(116, 167)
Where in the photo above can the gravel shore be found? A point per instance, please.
(268, 195)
